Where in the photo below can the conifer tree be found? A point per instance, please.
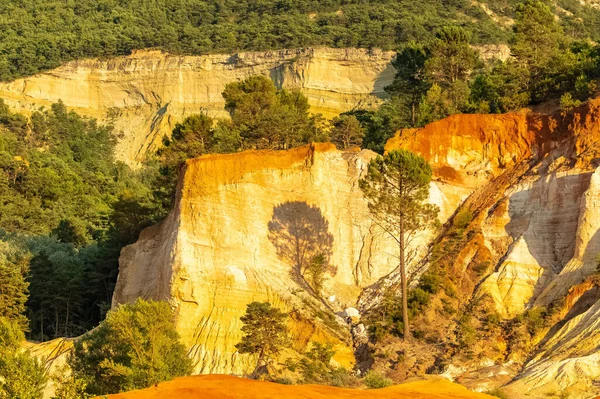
(264, 333)
(346, 132)
(396, 187)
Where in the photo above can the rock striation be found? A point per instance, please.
(143, 95)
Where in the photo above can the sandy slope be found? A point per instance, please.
(227, 387)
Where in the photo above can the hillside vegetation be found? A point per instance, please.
(37, 35)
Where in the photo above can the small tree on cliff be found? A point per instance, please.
(316, 273)
(135, 347)
(396, 187)
(346, 132)
(265, 333)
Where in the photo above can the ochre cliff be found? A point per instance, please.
(535, 205)
(143, 95)
(241, 226)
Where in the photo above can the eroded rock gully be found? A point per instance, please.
(534, 234)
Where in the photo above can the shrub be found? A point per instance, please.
(135, 347)
(376, 380)
(481, 268)
(341, 377)
(377, 332)
(315, 368)
(430, 282)
(498, 393)
(21, 375)
(463, 218)
(534, 319)
(467, 334)
(567, 102)
(418, 299)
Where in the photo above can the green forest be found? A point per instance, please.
(36, 35)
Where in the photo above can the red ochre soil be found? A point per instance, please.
(228, 387)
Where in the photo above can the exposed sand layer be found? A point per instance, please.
(227, 387)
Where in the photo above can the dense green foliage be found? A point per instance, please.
(41, 34)
(21, 376)
(267, 118)
(265, 333)
(135, 347)
(14, 266)
(68, 207)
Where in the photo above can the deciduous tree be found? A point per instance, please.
(21, 375)
(135, 347)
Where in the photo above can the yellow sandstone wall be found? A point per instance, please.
(143, 95)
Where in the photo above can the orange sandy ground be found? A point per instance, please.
(228, 387)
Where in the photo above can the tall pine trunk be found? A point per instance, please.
(404, 288)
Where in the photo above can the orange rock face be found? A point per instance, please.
(469, 149)
(465, 149)
(227, 387)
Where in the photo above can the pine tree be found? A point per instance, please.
(451, 58)
(410, 80)
(396, 187)
(264, 333)
(346, 132)
(14, 266)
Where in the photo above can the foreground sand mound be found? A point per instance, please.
(227, 387)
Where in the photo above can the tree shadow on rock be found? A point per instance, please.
(300, 233)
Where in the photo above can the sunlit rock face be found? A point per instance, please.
(243, 227)
(568, 362)
(143, 95)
